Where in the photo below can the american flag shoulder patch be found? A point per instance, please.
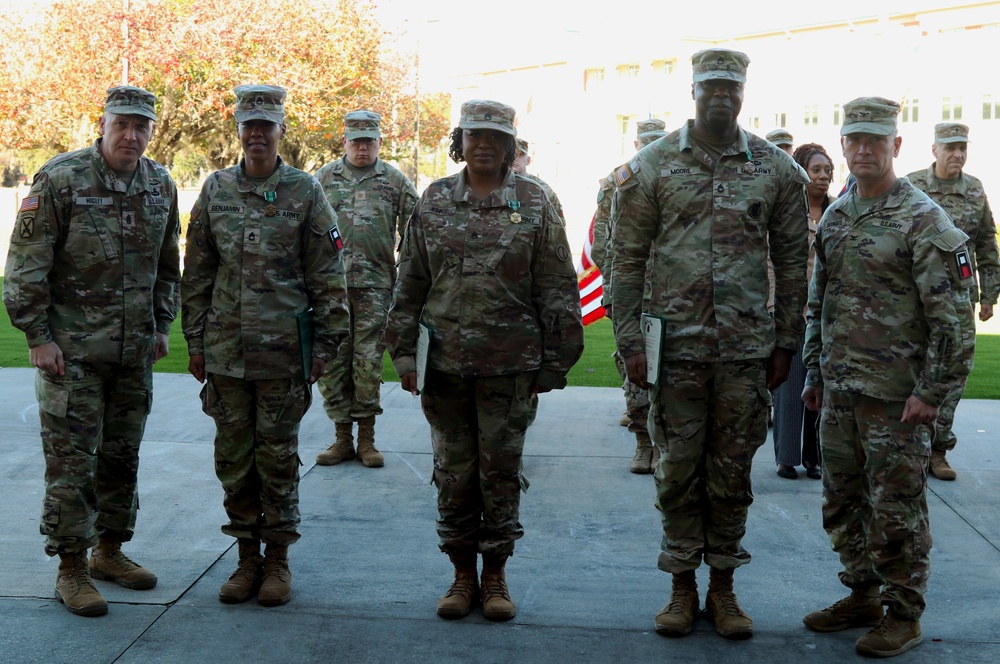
(338, 242)
(625, 173)
(29, 203)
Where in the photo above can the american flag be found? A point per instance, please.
(590, 280)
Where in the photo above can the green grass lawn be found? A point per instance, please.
(596, 367)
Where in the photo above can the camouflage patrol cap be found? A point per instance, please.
(645, 126)
(129, 100)
(951, 132)
(521, 145)
(260, 102)
(716, 63)
(362, 124)
(870, 115)
(780, 137)
(487, 114)
(648, 137)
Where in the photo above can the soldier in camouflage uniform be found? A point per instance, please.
(373, 202)
(646, 456)
(962, 197)
(522, 159)
(888, 337)
(782, 139)
(262, 248)
(486, 266)
(705, 206)
(91, 280)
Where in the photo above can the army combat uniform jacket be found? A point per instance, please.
(256, 255)
(94, 263)
(965, 202)
(371, 214)
(889, 313)
(706, 230)
(494, 280)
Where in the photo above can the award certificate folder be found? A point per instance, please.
(424, 336)
(652, 337)
(304, 325)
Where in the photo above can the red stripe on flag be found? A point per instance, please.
(591, 291)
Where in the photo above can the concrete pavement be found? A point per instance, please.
(367, 573)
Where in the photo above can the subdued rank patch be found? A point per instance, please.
(338, 242)
(29, 203)
(754, 210)
(251, 236)
(562, 253)
(963, 264)
(26, 228)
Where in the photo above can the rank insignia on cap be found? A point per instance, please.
(29, 203)
(963, 264)
(338, 242)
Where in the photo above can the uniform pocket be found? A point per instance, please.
(52, 398)
(88, 243)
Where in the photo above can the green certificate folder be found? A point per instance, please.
(304, 324)
(652, 336)
(424, 336)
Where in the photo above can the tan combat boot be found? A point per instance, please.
(108, 563)
(862, 608)
(464, 591)
(343, 447)
(74, 587)
(677, 617)
(730, 620)
(893, 635)
(367, 454)
(276, 586)
(245, 581)
(497, 604)
(940, 467)
(643, 454)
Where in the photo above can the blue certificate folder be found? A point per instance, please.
(304, 324)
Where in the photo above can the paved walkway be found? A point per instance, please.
(367, 573)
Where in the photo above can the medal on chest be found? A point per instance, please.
(515, 217)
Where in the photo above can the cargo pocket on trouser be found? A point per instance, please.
(52, 397)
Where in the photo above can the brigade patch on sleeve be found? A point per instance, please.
(963, 264)
(338, 242)
(26, 228)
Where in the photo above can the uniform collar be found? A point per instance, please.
(244, 185)
(741, 147)
(342, 168)
(937, 185)
(502, 196)
(141, 181)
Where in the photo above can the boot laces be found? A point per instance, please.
(679, 598)
(246, 567)
(463, 586)
(729, 604)
(79, 575)
(274, 567)
(494, 586)
(887, 625)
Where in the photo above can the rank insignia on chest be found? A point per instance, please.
(338, 242)
(515, 218)
(963, 264)
(270, 210)
(251, 236)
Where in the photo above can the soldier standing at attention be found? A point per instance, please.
(636, 414)
(888, 337)
(962, 197)
(91, 280)
(711, 202)
(262, 247)
(782, 139)
(373, 202)
(486, 266)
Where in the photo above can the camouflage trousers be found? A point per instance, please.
(944, 437)
(874, 497)
(350, 384)
(477, 433)
(257, 453)
(708, 419)
(92, 422)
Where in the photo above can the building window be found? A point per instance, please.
(811, 116)
(951, 108)
(628, 71)
(664, 67)
(991, 108)
(910, 112)
(780, 120)
(838, 115)
(753, 122)
(592, 77)
(625, 128)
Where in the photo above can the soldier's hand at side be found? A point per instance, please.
(812, 397)
(196, 367)
(162, 347)
(317, 370)
(985, 312)
(49, 358)
(635, 368)
(778, 366)
(409, 382)
(917, 412)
